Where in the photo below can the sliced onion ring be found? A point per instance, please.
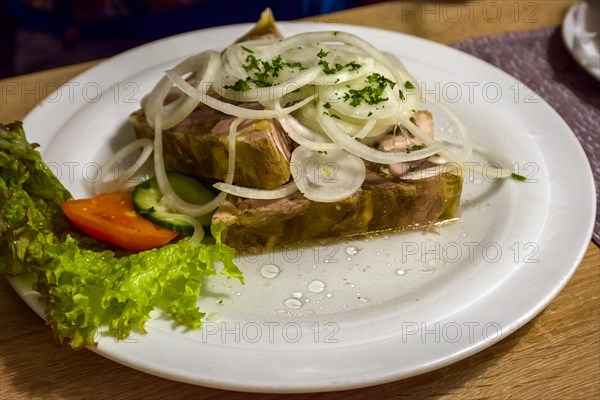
(262, 194)
(169, 195)
(121, 181)
(205, 65)
(327, 176)
(368, 153)
(229, 108)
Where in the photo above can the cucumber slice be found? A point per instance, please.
(147, 195)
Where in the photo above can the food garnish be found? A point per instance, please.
(89, 287)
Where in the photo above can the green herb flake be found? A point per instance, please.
(323, 152)
(380, 80)
(353, 66)
(322, 53)
(408, 85)
(327, 105)
(415, 147)
(247, 49)
(242, 85)
(326, 68)
(518, 178)
(331, 115)
(402, 97)
(370, 94)
(252, 63)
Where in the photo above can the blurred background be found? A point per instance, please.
(41, 34)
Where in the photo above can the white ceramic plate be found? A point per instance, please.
(586, 52)
(363, 312)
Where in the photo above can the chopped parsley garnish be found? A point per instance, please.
(262, 72)
(241, 85)
(408, 85)
(322, 53)
(247, 49)
(370, 94)
(253, 63)
(353, 66)
(297, 64)
(323, 152)
(412, 168)
(370, 113)
(326, 68)
(331, 115)
(358, 139)
(380, 80)
(401, 95)
(327, 105)
(329, 70)
(518, 178)
(415, 147)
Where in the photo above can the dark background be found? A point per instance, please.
(33, 38)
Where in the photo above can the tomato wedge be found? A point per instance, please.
(110, 217)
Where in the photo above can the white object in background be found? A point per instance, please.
(581, 34)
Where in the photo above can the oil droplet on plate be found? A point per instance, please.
(435, 263)
(352, 250)
(270, 271)
(297, 295)
(426, 271)
(316, 286)
(293, 303)
(400, 271)
(329, 295)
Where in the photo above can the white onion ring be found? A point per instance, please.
(327, 177)
(205, 65)
(270, 92)
(262, 194)
(231, 109)
(369, 153)
(365, 130)
(167, 191)
(120, 183)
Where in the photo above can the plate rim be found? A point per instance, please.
(342, 385)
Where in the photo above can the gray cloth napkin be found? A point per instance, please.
(540, 59)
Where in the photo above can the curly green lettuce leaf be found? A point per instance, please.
(30, 196)
(85, 285)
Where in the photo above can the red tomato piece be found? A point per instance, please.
(110, 217)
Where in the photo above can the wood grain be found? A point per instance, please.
(555, 356)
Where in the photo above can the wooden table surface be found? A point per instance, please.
(555, 356)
